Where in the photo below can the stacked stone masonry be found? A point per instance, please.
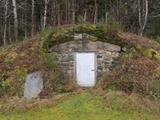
(107, 54)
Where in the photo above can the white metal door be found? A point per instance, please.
(85, 69)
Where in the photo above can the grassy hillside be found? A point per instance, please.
(90, 106)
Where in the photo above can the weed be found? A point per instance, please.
(4, 84)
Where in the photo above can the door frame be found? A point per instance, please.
(75, 65)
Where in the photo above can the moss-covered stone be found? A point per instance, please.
(149, 52)
(84, 28)
(90, 38)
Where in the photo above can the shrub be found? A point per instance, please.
(57, 36)
(57, 82)
(4, 84)
(100, 31)
(136, 75)
(46, 32)
(84, 28)
(45, 36)
(50, 59)
(158, 39)
(10, 58)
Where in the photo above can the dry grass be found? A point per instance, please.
(93, 105)
(132, 39)
(135, 75)
(133, 102)
(8, 105)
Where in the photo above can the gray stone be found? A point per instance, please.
(112, 47)
(91, 46)
(33, 85)
(124, 49)
(78, 36)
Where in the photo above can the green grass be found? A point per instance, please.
(84, 106)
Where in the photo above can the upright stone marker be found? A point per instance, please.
(33, 85)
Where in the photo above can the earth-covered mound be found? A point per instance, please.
(138, 69)
(139, 65)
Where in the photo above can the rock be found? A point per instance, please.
(78, 36)
(33, 85)
(124, 49)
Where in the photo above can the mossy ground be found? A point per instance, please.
(87, 106)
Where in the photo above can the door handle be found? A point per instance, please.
(93, 70)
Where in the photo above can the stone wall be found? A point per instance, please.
(107, 54)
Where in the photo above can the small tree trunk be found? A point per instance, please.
(25, 20)
(45, 13)
(59, 16)
(146, 15)
(5, 23)
(15, 19)
(54, 13)
(73, 12)
(140, 18)
(106, 17)
(85, 16)
(32, 29)
(142, 21)
(96, 12)
(9, 32)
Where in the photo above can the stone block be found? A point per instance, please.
(33, 85)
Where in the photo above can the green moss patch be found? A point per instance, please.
(94, 33)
